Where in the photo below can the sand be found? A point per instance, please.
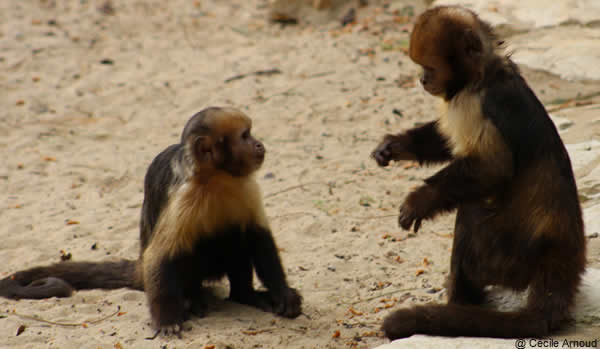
(92, 93)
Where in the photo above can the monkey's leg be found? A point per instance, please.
(286, 300)
(196, 296)
(462, 290)
(424, 144)
(241, 289)
(553, 288)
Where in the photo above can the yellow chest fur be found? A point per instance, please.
(469, 132)
(197, 211)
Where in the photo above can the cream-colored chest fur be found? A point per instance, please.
(469, 132)
(202, 210)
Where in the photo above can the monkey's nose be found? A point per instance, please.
(260, 148)
(423, 80)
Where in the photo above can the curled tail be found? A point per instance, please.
(59, 280)
(463, 320)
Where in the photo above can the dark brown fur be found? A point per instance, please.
(202, 218)
(519, 222)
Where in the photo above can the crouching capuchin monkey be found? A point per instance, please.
(202, 218)
(519, 222)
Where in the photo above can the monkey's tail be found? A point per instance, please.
(463, 320)
(60, 279)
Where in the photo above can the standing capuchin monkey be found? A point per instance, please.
(202, 218)
(519, 221)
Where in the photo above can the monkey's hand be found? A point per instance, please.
(393, 148)
(288, 304)
(416, 207)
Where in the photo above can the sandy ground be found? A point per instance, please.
(91, 95)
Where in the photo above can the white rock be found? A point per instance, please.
(587, 310)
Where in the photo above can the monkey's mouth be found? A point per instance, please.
(433, 91)
(259, 159)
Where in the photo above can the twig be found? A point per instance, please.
(382, 295)
(186, 35)
(268, 72)
(282, 93)
(299, 330)
(319, 75)
(293, 214)
(255, 332)
(301, 186)
(30, 317)
(371, 217)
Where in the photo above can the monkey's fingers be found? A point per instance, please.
(382, 156)
(417, 225)
(291, 304)
(168, 331)
(405, 220)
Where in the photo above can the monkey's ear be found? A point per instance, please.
(203, 147)
(472, 44)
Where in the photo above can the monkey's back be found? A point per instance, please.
(157, 183)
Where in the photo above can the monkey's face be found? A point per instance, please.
(221, 139)
(435, 79)
(437, 73)
(239, 153)
(447, 43)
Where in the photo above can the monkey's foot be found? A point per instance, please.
(168, 331)
(197, 306)
(288, 304)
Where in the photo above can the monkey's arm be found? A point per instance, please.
(424, 144)
(287, 301)
(465, 179)
(164, 290)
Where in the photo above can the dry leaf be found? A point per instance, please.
(369, 334)
(336, 334)
(354, 312)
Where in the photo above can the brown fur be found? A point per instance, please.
(519, 221)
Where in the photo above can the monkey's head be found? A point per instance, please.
(452, 45)
(220, 139)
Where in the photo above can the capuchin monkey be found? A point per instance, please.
(519, 222)
(202, 219)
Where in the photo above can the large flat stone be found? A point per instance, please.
(555, 50)
(531, 14)
(586, 312)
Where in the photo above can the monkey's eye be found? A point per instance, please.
(246, 134)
